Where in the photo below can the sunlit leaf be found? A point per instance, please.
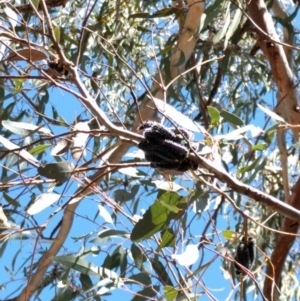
(214, 115)
(168, 186)
(24, 129)
(227, 234)
(232, 118)
(170, 292)
(226, 15)
(81, 265)
(188, 257)
(15, 148)
(176, 116)
(158, 216)
(105, 214)
(167, 238)
(271, 113)
(233, 26)
(104, 235)
(11, 16)
(43, 201)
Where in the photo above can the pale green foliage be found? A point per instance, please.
(118, 56)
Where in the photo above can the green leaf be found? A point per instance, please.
(170, 292)
(170, 207)
(86, 281)
(167, 238)
(139, 15)
(227, 234)
(170, 112)
(81, 265)
(233, 26)
(146, 293)
(214, 115)
(219, 36)
(43, 201)
(39, 149)
(259, 147)
(105, 235)
(57, 33)
(138, 257)
(24, 129)
(158, 216)
(140, 278)
(255, 164)
(161, 271)
(232, 118)
(36, 3)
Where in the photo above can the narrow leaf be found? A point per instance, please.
(232, 118)
(177, 116)
(271, 113)
(219, 36)
(43, 201)
(105, 214)
(24, 129)
(21, 153)
(214, 115)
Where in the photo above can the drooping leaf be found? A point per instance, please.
(176, 116)
(61, 147)
(158, 216)
(219, 36)
(170, 292)
(24, 129)
(104, 235)
(167, 238)
(138, 257)
(214, 115)
(188, 257)
(140, 278)
(233, 26)
(271, 113)
(232, 118)
(146, 293)
(43, 201)
(87, 268)
(11, 16)
(161, 271)
(21, 153)
(105, 214)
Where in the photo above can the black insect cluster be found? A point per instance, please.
(167, 148)
(55, 64)
(245, 254)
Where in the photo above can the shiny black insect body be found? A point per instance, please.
(245, 255)
(165, 148)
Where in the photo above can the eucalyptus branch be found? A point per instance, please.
(257, 195)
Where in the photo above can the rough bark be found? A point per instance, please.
(288, 99)
(281, 71)
(283, 245)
